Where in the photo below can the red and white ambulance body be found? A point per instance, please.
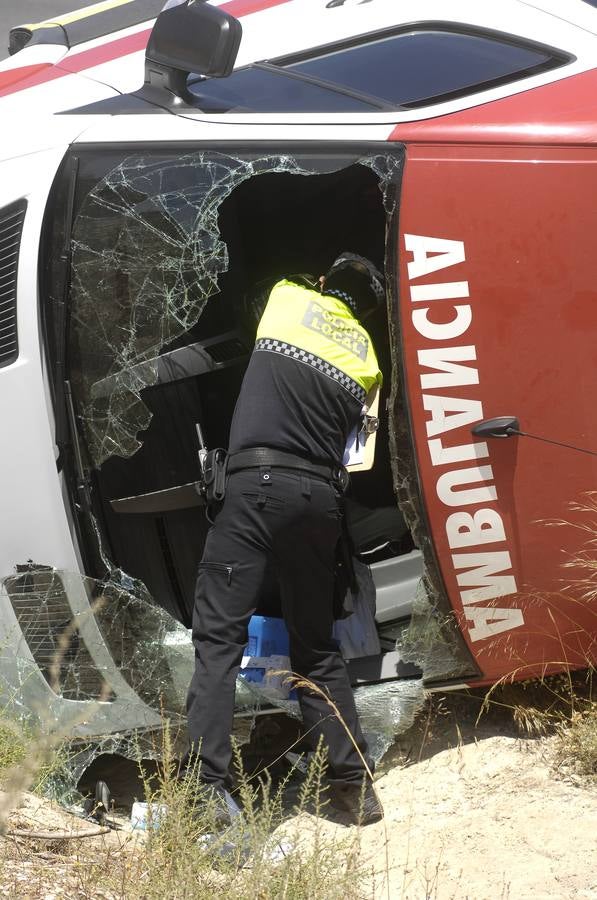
(143, 222)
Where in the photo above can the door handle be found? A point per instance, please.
(500, 427)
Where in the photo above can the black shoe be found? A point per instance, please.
(224, 836)
(361, 803)
(216, 807)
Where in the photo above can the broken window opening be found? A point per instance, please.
(173, 257)
(134, 358)
(147, 256)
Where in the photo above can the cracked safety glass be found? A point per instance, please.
(173, 256)
(147, 255)
(103, 668)
(98, 665)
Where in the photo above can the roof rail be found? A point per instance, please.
(85, 24)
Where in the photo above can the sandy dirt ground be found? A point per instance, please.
(55, 870)
(477, 809)
(472, 813)
(483, 821)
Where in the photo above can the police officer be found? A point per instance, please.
(309, 376)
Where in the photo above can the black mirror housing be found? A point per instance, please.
(191, 37)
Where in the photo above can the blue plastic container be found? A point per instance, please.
(269, 643)
(267, 637)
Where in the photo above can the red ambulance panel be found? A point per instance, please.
(498, 311)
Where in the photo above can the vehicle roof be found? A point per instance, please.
(271, 28)
(582, 13)
(52, 78)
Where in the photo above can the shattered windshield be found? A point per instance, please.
(155, 236)
(147, 256)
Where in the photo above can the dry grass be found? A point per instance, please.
(576, 747)
(278, 853)
(262, 856)
(31, 762)
(270, 853)
(561, 706)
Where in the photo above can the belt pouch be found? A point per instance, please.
(214, 475)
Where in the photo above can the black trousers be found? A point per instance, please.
(293, 521)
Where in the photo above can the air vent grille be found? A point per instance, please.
(43, 612)
(227, 350)
(11, 228)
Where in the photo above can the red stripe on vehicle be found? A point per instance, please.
(560, 112)
(78, 62)
(246, 7)
(12, 76)
(105, 53)
(32, 76)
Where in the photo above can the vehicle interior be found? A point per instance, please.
(149, 515)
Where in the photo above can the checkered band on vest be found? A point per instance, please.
(316, 362)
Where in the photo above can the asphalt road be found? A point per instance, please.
(18, 12)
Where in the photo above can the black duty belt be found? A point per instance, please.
(265, 456)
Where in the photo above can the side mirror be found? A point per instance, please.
(190, 36)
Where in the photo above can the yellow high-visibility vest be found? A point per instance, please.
(320, 331)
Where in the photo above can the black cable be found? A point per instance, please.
(549, 441)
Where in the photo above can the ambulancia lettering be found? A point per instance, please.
(485, 575)
(321, 320)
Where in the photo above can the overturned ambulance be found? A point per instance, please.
(143, 218)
